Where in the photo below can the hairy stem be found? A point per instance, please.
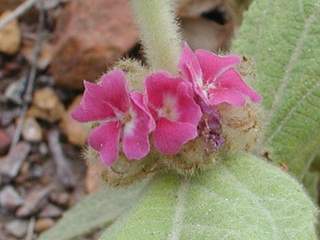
(159, 33)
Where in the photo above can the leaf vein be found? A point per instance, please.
(292, 61)
(257, 200)
(178, 217)
(291, 112)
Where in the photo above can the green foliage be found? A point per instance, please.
(95, 211)
(159, 33)
(310, 181)
(240, 198)
(283, 38)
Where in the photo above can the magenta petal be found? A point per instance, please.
(224, 95)
(105, 140)
(212, 64)
(158, 85)
(170, 136)
(136, 132)
(189, 111)
(231, 79)
(115, 86)
(139, 100)
(189, 65)
(93, 105)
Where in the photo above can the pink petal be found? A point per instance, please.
(212, 64)
(158, 85)
(162, 87)
(93, 105)
(224, 95)
(189, 65)
(115, 86)
(136, 132)
(188, 110)
(231, 79)
(105, 140)
(170, 136)
(141, 101)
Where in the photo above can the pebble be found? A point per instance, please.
(10, 199)
(32, 131)
(46, 105)
(43, 149)
(50, 211)
(36, 172)
(11, 164)
(10, 36)
(43, 224)
(5, 142)
(17, 228)
(33, 202)
(7, 117)
(61, 199)
(14, 92)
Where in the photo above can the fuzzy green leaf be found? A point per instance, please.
(310, 181)
(241, 198)
(95, 211)
(283, 38)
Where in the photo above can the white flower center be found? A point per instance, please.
(169, 108)
(128, 121)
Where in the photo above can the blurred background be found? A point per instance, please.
(46, 51)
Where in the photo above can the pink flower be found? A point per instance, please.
(214, 78)
(123, 117)
(177, 115)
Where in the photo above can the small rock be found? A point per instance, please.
(43, 149)
(50, 211)
(76, 132)
(6, 117)
(10, 199)
(31, 131)
(33, 202)
(10, 165)
(45, 54)
(10, 36)
(91, 36)
(17, 228)
(14, 91)
(23, 173)
(5, 142)
(9, 5)
(64, 172)
(43, 224)
(62, 199)
(30, 172)
(36, 172)
(46, 105)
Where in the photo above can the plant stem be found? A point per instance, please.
(159, 33)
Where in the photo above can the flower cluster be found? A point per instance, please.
(172, 109)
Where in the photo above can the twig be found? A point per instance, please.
(63, 169)
(30, 78)
(30, 231)
(17, 12)
(35, 55)
(17, 133)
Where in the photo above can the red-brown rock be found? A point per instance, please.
(91, 35)
(4, 142)
(9, 4)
